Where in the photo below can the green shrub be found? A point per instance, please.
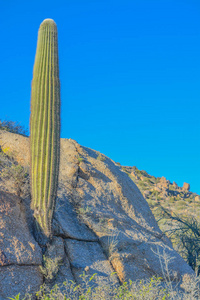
(101, 157)
(92, 288)
(50, 268)
(80, 159)
(181, 204)
(151, 202)
(171, 200)
(148, 180)
(141, 184)
(13, 127)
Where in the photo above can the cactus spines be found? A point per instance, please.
(45, 126)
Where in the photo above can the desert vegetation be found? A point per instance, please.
(13, 127)
(91, 288)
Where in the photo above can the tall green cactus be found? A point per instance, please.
(45, 126)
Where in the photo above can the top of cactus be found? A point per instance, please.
(48, 22)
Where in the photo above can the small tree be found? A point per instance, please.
(185, 235)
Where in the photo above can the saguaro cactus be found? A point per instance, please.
(45, 126)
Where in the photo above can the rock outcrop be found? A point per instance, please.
(101, 224)
(164, 183)
(186, 186)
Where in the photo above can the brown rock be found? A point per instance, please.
(83, 171)
(163, 179)
(164, 183)
(157, 189)
(135, 175)
(197, 198)
(186, 187)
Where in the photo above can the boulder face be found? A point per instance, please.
(102, 224)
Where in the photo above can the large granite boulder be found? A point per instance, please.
(101, 224)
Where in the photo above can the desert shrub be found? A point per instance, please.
(19, 175)
(154, 193)
(141, 184)
(92, 289)
(144, 173)
(13, 127)
(137, 172)
(83, 212)
(101, 157)
(148, 180)
(190, 200)
(50, 267)
(112, 242)
(191, 197)
(181, 203)
(171, 188)
(125, 170)
(102, 225)
(151, 202)
(9, 169)
(171, 200)
(80, 159)
(185, 235)
(157, 180)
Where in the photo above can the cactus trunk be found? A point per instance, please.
(45, 126)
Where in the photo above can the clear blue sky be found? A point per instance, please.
(130, 77)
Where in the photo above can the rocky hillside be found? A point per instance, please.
(160, 191)
(102, 223)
